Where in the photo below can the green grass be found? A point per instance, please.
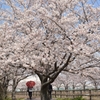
(77, 98)
(16, 99)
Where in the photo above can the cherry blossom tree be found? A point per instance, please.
(93, 75)
(49, 36)
(17, 75)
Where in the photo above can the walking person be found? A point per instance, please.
(50, 91)
(30, 85)
(29, 90)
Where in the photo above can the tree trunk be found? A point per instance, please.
(84, 87)
(95, 84)
(2, 97)
(44, 93)
(13, 95)
(66, 87)
(3, 91)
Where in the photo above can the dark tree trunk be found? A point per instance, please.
(3, 91)
(2, 96)
(84, 87)
(66, 87)
(13, 95)
(44, 93)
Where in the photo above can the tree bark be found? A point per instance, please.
(44, 93)
(5, 91)
(66, 87)
(2, 97)
(13, 95)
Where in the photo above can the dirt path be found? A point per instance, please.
(37, 99)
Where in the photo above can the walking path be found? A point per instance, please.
(37, 99)
(33, 99)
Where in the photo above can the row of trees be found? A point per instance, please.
(76, 81)
(66, 81)
(48, 37)
(11, 76)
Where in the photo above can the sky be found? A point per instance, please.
(95, 2)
